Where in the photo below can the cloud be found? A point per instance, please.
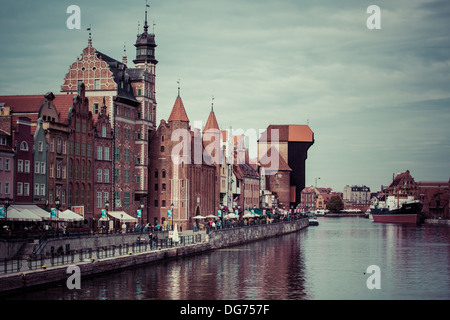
(374, 98)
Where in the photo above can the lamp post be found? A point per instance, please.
(142, 218)
(221, 215)
(57, 203)
(106, 216)
(171, 208)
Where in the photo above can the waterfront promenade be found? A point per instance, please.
(139, 250)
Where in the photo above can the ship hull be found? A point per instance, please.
(396, 218)
(409, 213)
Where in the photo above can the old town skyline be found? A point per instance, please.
(204, 56)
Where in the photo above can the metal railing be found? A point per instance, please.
(59, 258)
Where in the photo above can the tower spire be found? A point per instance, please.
(124, 56)
(212, 104)
(89, 39)
(145, 24)
(178, 87)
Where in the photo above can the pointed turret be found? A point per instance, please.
(211, 123)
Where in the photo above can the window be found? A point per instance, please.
(99, 153)
(156, 174)
(89, 150)
(164, 187)
(117, 175)
(40, 146)
(106, 175)
(77, 148)
(24, 146)
(164, 173)
(99, 175)
(156, 203)
(117, 154)
(126, 200)
(36, 189)
(139, 92)
(1, 163)
(127, 176)
(59, 146)
(37, 166)
(97, 84)
(58, 169)
(27, 166)
(103, 132)
(163, 203)
(7, 191)
(42, 167)
(19, 188)
(99, 199)
(3, 141)
(19, 165)
(106, 153)
(50, 170)
(105, 198)
(95, 108)
(26, 189)
(156, 187)
(7, 165)
(162, 148)
(42, 189)
(83, 149)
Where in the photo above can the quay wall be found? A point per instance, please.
(216, 239)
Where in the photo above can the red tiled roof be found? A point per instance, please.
(63, 103)
(291, 133)
(178, 112)
(211, 123)
(23, 103)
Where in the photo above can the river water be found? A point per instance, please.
(328, 261)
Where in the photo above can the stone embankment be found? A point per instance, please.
(90, 267)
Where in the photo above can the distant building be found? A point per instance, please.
(310, 198)
(434, 195)
(356, 195)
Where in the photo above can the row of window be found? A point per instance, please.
(23, 189)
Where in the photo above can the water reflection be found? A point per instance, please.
(325, 262)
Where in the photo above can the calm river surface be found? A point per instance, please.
(324, 262)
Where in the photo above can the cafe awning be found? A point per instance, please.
(41, 213)
(69, 215)
(122, 216)
(22, 215)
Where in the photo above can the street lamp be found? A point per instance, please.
(106, 209)
(57, 203)
(142, 218)
(221, 214)
(171, 207)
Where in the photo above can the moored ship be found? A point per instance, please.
(397, 209)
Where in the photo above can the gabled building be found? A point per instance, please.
(177, 176)
(129, 97)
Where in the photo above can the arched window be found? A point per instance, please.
(24, 146)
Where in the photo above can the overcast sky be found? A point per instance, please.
(378, 101)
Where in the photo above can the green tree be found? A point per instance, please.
(335, 204)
